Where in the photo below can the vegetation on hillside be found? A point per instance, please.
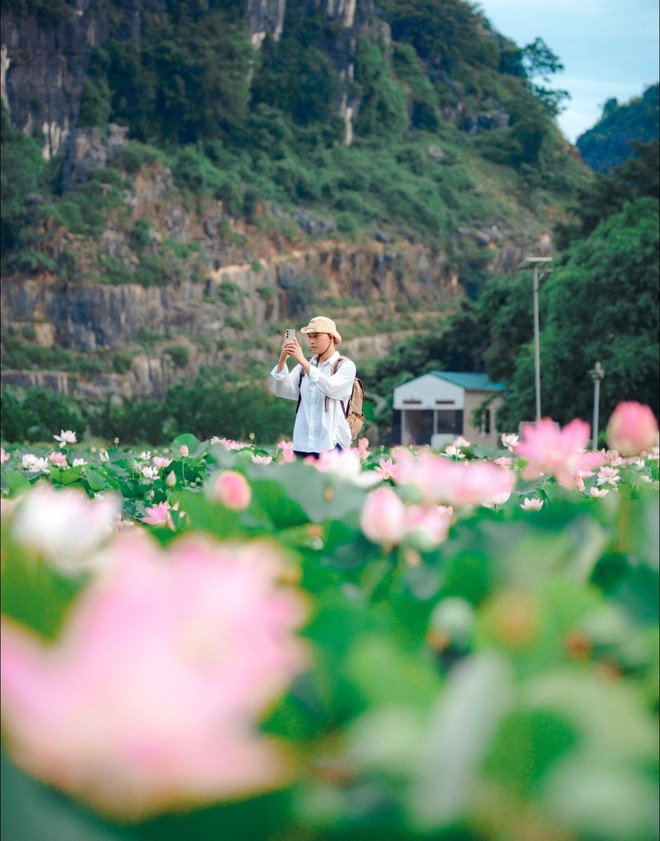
(610, 143)
(600, 304)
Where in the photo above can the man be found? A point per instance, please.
(320, 421)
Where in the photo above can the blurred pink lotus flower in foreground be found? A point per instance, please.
(557, 452)
(442, 481)
(383, 519)
(232, 490)
(384, 468)
(427, 527)
(632, 429)
(386, 520)
(362, 448)
(65, 527)
(345, 466)
(150, 699)
(158, 515)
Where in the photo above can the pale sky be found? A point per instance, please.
(609, 49)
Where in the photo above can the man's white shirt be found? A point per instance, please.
(316, 428)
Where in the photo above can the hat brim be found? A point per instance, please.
(335, 335)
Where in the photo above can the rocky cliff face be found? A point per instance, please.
(243, 282)
(251, 281)
(43, 61)
(43, 64)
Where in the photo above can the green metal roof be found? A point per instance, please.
(470, 382)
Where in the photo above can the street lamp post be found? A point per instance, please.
(596, 373)
(536, 262)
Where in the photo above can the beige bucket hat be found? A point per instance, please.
(321, 324)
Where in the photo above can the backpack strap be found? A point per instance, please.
(334, 370)
(302, 374)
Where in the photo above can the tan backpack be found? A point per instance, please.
(353, 407)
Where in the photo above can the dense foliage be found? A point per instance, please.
(610, 142)
(207, 407)
(411, 645)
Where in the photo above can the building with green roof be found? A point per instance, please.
(438, 407)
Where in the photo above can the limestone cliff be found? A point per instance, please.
(218, 286)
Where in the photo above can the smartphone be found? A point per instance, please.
(290, 335)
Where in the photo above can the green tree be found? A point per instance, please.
(21, 175)
(185, 80)
(606, 195)
(602, 304)
(208, 407)
(135, 421)
(383, 101)
(613, 139)
(539, 61)
(37, 415)
(297, 79)
(422, 97)
(445, 33)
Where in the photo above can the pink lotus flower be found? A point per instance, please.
(427, 527)
(232, 490)
(183, 449)
(385, 467)
(442, 481)
(4, 456)
(34, 463)
(161, 461)
(229, 443)
(261, 459)
(632, 429)
(608, 475)
(556, 452)
(598, 492)
(57, 458)
(345, 466)
(158, 515)
(362, 448)
(531, 504)
(150, 699)
(384, 519)
(286, 451)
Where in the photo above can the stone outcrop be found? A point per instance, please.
(44, 57)
(44, 62)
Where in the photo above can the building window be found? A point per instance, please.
(486, 422)
(417, 426)
(449, 421)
